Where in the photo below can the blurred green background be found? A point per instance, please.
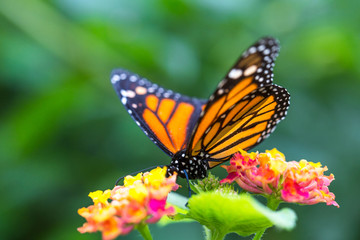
(64, 132)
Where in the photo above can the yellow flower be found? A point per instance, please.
(155, 177)
(129, 180)
(100, 196)
(138, 192)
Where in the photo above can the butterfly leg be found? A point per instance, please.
(188, 183)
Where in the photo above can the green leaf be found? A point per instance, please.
(177, 200)
(145, 231)
(242, 214)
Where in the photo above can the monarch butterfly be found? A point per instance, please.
(201, 134)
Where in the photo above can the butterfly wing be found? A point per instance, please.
(166, 117)
(244, 108)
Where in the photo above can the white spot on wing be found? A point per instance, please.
(235, 73)
(250, 70)
(261, 48)
(115, 79)
(122, 76)
(130, 94)
(266, 51)
(133, 78)
(140, 90)
(252, 50)
(123, 93)
(221, 84)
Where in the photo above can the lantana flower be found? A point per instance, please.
(269, 174)
(140, 201)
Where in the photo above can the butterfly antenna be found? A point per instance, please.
(143, 170)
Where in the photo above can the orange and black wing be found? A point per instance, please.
(166, 117)
(244, 109)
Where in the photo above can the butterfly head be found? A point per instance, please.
(195, 167)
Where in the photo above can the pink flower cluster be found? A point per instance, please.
(269, 174)
(141, 200)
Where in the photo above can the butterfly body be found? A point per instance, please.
(195, 166)
(201, 134)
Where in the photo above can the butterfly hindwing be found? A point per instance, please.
(259, 113)
(244, 108)
(168, 118)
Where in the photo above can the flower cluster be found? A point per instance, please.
(269, 174)
(141, 200)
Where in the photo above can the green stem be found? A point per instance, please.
(258, 235)
(273, 204)
(214, 234)
(145, 231)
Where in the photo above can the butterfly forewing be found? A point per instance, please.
(168, 118)
(244, 108)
